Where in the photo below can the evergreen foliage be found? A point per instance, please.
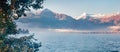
(11, 10)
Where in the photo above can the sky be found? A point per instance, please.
(77, 7)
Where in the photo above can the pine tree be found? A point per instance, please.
(11, 10)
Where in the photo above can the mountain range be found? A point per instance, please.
(49, 19)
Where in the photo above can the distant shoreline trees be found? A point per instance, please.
(22, 31)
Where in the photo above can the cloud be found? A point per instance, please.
(67, 30)
(115, 28)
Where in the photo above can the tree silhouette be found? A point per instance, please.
(11, 10)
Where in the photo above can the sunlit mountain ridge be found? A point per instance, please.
(49, 19)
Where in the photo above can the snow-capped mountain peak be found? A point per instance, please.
(97, 15)
(82, 16)
(47, 13)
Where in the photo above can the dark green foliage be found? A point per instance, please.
(11, 10)
(11, 28)
(23, 44)
(24, 5)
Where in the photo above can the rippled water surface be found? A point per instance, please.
(75, 42)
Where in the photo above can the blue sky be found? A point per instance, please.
(77, 7)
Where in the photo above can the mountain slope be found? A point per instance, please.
(50, 19)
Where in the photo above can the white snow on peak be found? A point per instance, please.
(96, 16)
(83, 16)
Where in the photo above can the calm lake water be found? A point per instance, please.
(75, 42)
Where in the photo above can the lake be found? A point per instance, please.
(76, 42)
